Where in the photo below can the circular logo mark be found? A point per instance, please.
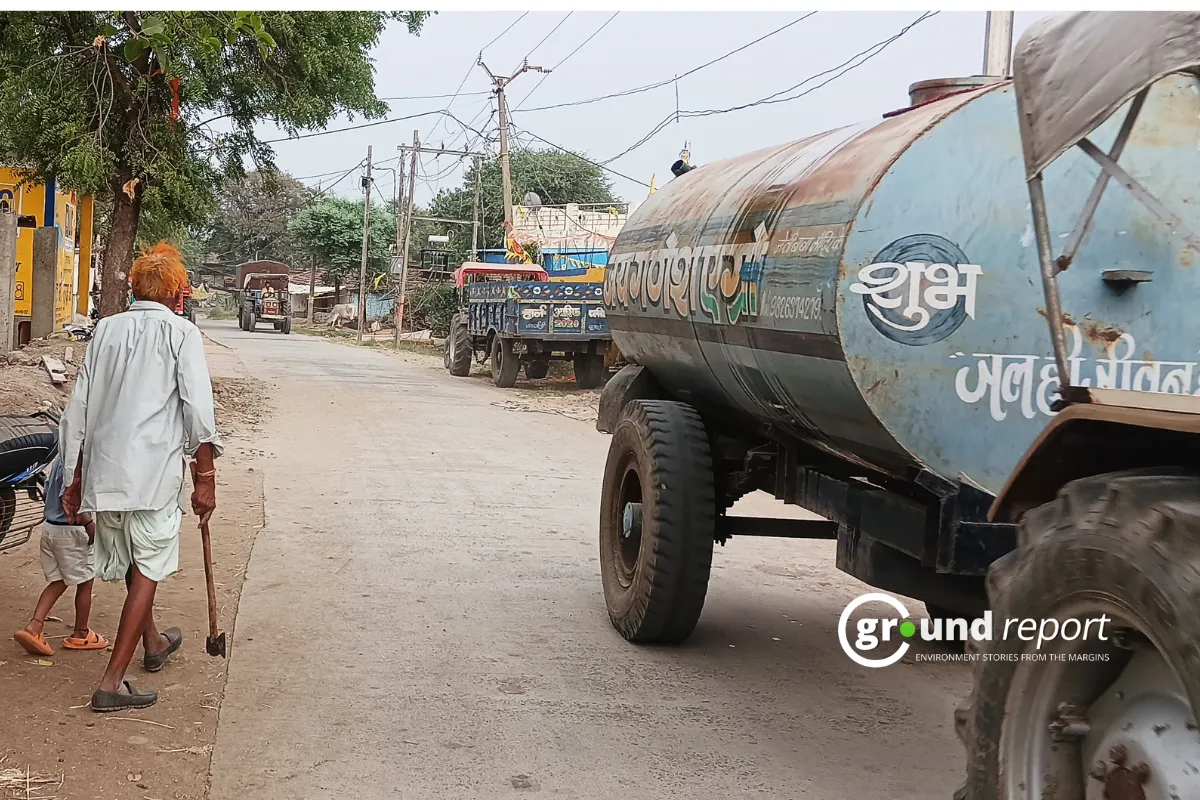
(918, 290)
(852, 652)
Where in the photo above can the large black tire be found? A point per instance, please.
(458, 348)
(589, 370)
(656, 578)
(286, 326)
(189, 310)
(537, 369)
(1130, 536)
(241, 318)
(505, 363)
(251, 321)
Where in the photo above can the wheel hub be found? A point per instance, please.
(631, 521)
(1136, 740)
(1142, 736)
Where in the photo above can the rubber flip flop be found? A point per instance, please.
(104, 702)
(155, 662)
(93, 641)
(34, 645)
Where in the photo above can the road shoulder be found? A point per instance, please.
(163, 752)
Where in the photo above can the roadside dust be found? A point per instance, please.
(162, 752)
(554, 394)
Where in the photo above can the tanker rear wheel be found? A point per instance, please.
(1125, 545)
(657, 522)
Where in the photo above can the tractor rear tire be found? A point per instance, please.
(505, 363)
(459, 348)
(251, 322)
(537, 369)
(657, 522)
(286, 326)
(1125, 541)
(589, 370)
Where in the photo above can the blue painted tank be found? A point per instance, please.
(875, 290)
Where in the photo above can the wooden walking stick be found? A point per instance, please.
(215, 644)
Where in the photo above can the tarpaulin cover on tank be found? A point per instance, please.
(1072, 71)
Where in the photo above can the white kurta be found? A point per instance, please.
(142, 402)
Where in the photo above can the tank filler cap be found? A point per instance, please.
(679, 168)
(927, 91)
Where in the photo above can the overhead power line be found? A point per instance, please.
(501, 34)
(567, 56)
(434, 96)
(562, 149)
(463, 82)
(371, 124)
(673, 78)
(548, 35)
(841, 69)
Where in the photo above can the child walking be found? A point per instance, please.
(68, 559)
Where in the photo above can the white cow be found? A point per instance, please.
(341, 314)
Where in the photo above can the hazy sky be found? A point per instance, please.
(635, 49)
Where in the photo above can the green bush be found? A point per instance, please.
(430, 306)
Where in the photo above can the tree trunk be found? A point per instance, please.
(118, 249)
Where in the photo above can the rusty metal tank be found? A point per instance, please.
(875, 290)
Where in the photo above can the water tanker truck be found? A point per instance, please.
(964, 335)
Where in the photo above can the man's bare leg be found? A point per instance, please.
(135, 616)
(152, 641)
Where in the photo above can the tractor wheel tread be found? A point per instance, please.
(1134, 535)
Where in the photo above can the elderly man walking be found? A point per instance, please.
(142, 401)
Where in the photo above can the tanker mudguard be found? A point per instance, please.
(632, 382)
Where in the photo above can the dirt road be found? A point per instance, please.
(422, 618)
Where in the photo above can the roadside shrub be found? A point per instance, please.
(430, 306)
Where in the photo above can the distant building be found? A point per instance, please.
(571, 227)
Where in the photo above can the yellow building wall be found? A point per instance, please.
(30, 201)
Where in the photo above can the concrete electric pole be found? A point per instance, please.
(408, 220)
(997, 44)
(362, 272)
(475, 214)
(500, 82)
(415, 149)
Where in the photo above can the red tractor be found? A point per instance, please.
(186, 307)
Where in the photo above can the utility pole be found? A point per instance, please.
(312, 287)
(362, 271)
(415, 149)
(500, 82)
(396, 207)
(997, 44)
(408, 215)
(475, 215)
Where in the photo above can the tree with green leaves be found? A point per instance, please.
(330, 232)
(157, 110)
(558, 178)
(252, 218)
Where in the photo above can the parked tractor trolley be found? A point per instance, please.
(515, 316)
(856, 323)
(262, 296)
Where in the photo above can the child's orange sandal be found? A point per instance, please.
(34, 645)
(93, 641)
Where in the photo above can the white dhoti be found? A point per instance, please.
(149, 539)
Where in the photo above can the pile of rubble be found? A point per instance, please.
(39, 376)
